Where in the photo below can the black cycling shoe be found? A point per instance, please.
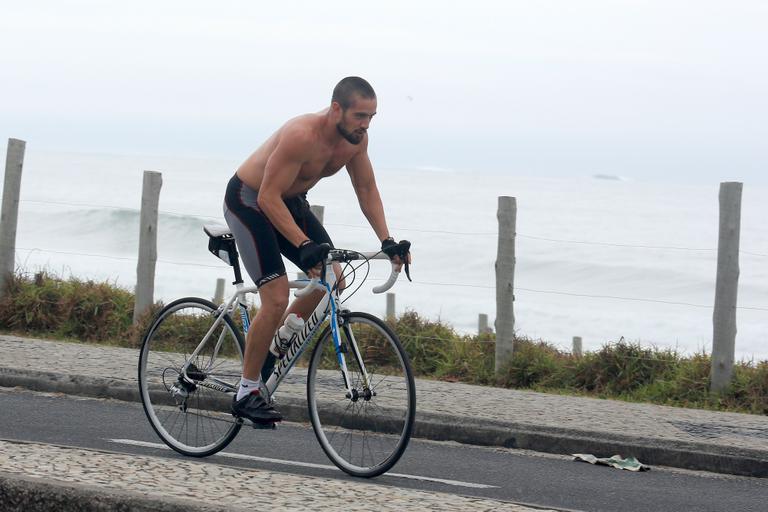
(253, 407)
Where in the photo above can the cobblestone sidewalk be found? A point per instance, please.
(154, 479)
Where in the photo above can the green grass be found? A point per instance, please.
(68, 309)
(100, 312)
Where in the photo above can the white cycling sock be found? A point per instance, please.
(247, 386)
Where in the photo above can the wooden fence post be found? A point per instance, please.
(14, 161)
(576, 346)
(145, 269)
(318, 211)
(505, 278)
(218, 296)
(726, 287)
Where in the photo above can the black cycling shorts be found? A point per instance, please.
(258, 242)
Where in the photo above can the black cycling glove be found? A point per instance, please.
(389, 247)
(392, 249)
(310, 254)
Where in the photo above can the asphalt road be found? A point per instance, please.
(511, 475)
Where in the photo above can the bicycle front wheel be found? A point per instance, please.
(192, 415)
(366, 430)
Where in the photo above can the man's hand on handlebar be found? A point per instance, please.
(311, 256)
(399, 253)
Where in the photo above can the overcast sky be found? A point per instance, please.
(644, 89)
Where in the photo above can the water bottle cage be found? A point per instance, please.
(283, 344)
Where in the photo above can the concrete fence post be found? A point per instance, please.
(14, 161)
(505, 278)
(576, 346)
(390, 307)
(482, 324)
(218, 296)
(145, 269)
(726, 287)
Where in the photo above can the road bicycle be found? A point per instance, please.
(361, 396)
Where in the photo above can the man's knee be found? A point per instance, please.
(274, 296)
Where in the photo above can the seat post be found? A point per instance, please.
(234, 257)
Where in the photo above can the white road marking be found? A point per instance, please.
(456, 483)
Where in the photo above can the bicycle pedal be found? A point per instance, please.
(271, 425)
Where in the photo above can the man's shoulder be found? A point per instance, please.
(298, 134)
(303, 126)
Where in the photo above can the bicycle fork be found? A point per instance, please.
(352, 393)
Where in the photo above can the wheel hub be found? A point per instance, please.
(356, 395)
(182, 388)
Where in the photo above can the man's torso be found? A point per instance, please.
(324, 159)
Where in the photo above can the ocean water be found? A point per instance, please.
(597, 257)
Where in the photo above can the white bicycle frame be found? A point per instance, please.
(329, 304)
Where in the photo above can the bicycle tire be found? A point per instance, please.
(363, 437)
(200, 423)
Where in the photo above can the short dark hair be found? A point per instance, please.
(348, 87)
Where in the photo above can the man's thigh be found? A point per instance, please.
(257, 244)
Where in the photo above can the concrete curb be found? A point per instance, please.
(652, 451)
(661, 452)
(24, 494)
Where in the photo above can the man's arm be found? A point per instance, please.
(364, 182)
(280, 173)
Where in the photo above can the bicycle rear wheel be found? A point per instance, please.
(364, 434)
(191, 416)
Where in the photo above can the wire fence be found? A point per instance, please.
(418, 282)
(419, 230)
(407, 332)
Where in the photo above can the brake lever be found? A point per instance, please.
(405, 247)
(326, 250)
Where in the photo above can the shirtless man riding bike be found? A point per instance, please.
(266, 209)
